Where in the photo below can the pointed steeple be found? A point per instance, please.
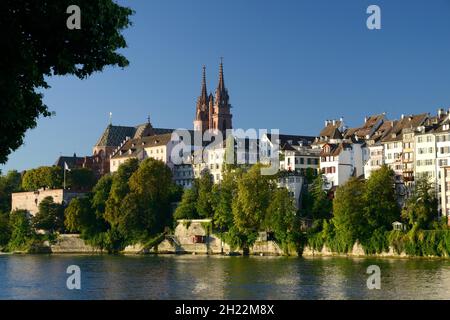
(204, 94)
(221, 80)
(221, 92)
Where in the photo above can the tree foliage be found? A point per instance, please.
(43, 177)
(9, 183)
(22, 234)
(421, 208)
(50, 216)
(204, 186)
(37, 44)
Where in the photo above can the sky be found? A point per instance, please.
(288, 65)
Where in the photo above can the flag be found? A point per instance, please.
(66, 167)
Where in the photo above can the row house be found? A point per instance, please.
(399, 146)
(213, 157)
(375, 148)
(158, 147)
(344, 151)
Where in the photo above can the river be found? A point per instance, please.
(218, 277)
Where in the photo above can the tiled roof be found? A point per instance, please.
(132, 147)
(113, 136)
(72, 161)
(329, 129)
(408, 122)
(293, 139)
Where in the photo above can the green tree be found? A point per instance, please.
(251, 201)
(5, 231)
(119, 190)
(348, 210)
(281, 218)
(381, 208)
(146, 209)
(204, 203)
(43, 177)
(187, 209)
(50, 216)
(79, 216)
(22, 234)
(223, 204)
(421, 208)
(9, 183)
(39, 45)
(316, 203)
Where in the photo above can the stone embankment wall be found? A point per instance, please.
(72, 243)
(357, 251)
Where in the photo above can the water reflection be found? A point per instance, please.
(216, 277)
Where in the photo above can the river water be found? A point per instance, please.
(218, 277)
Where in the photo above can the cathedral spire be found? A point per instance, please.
(221, 80)
(204, 94)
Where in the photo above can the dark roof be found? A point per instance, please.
(72, 161)
(408, 122)
(113, 136)
(329, 129)
(132, 147)
(293, 140)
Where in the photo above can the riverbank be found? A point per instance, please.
(73, 244)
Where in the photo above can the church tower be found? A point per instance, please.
(201, 122)
(221, 116)
(213, 113)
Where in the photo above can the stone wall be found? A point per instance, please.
(30, 201)
(357, 251)
(72, 243)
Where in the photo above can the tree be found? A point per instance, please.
(9, 183)
(22, 233)
(50, 216)
(316, 202)
(5, 230)
(381, 208)
(37, 44)
(146, 209)
(43, 177)
(80, 217)
(100, 195)
(187, 209)
(421, 208)
(251, 201)
(204, 204)
(81, 179)
(281, 218)
(223, 204)
(348, 210)
(119, 190)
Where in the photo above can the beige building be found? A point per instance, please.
(30, 201)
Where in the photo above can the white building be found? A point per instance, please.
(158, 147)
(341, 161)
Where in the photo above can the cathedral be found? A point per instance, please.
(213, 112)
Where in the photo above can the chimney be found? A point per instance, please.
(334, 122)
(326, 123)
(365, 119)
(440, 112)
(403, 116)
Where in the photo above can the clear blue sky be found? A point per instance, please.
(288, 65)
